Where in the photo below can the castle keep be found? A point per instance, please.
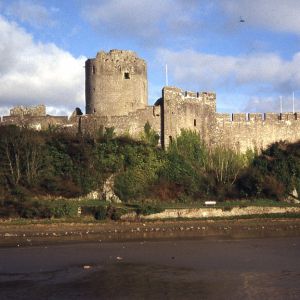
(116, 83)
(117, 96)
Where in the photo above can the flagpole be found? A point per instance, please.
(167, 83)
(280, 97)
(293, 102)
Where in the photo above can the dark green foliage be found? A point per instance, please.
(273, 174)
(148, 209)
(58, 164)
(61, 209)
(150, 136)
(100, 213)
(24, 209)
(141, 164)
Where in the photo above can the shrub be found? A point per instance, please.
(148, 210)
(63, 208)
(272, 188)
(100, 213)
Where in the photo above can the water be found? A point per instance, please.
(183, 269)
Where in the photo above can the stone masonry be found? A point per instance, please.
(116, 96)
(33, 111)
(116, 83)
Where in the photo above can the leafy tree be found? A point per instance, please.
(150, 136)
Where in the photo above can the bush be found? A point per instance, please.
(114, 213)
(63, 208)
(250, 183)
(148, 210)
(100, 213)
(31, 209)
(272, 188)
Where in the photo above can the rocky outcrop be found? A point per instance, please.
(108, 193)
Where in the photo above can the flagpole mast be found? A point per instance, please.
(280, 104)
(293, 102)
(167, 83)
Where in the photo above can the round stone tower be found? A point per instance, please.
(115, 83)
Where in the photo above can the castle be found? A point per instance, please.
(117, 96)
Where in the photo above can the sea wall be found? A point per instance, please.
(215, 212)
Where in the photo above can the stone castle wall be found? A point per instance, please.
(37, 123)
(132, 124)
(250, 131)
(34, 111)
(194, 111)
(116, 83)
(34, 117)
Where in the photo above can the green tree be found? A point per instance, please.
(149, 135)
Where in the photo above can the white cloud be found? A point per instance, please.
(30, 12)
(33, 72)
(265, 72)
(145, 20)
(272, 104)
(276, 15)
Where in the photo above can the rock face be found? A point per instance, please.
(108, 191)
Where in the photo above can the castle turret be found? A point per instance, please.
(116, 83)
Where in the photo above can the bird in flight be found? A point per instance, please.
(242, 20)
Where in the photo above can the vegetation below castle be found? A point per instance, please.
(36, 165)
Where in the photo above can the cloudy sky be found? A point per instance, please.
(250, 64)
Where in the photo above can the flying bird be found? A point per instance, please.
(242, 20)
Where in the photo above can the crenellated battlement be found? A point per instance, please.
(117, 56)
(258, 117)
(182, 96)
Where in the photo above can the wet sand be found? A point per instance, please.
(200, 268)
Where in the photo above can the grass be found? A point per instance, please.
(148, 208)
(230, 204)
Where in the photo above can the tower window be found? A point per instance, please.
(195, 122)
(94, 69)
(126, 75)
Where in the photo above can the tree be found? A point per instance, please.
(149, 135)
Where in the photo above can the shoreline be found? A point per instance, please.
(117, 231)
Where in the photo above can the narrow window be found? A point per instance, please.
(94, 110)
(170, 139)
(94, 70)
(195, 122)
(126, 75)
(94, 89)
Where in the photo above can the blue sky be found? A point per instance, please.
(44, 44)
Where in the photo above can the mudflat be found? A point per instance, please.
(194, 259)
(199, 268)
(57, 233)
